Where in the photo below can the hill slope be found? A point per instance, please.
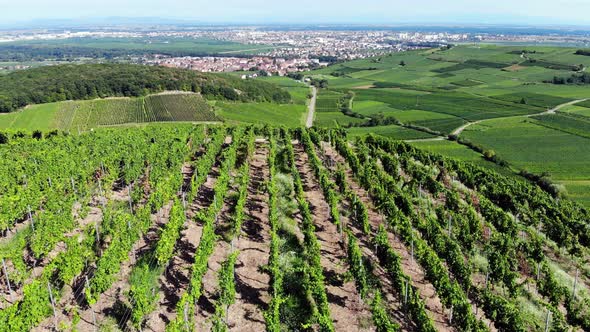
(75, 82)
(264, 228)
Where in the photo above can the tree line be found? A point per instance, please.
(75, 82)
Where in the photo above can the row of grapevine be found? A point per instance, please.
(503, 248)
(315, 284)
(67, 265)
(185, 307)
(388, 257)
(375, 182)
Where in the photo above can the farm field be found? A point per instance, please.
(190, 227)
(87, 114)
(391, 131)
(291, 115)
(529, 145)
(444, 89)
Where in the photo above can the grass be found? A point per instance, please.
(290, 115)
(34, 117)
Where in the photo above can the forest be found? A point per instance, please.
(91, 81)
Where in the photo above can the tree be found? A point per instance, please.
(402, 63)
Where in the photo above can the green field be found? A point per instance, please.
(528, 145)
(290, 115)
(332, 119)
(391, 131)
(87, 114)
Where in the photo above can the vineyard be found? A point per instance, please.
(87, 114)
(252, 228)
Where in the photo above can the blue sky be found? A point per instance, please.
(574, 12)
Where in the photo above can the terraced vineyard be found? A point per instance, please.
(253, 228)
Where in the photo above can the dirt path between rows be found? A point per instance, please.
(209, 293)
(252, 285)
(347, 310)
(409, 266)
(176, 278)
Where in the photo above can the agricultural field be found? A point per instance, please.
(391, 131)
(445, 89)
(290, 115)
(230, 228)
(530, 144)
(87, 114)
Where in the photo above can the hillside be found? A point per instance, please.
(183, 227)
(495, 101)
(75, 82)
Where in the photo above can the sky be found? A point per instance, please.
(525, 12)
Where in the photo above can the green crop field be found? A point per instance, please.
(87, 114)
(569, 123)
(537, 148)
(332, 119)
(391, 131)
(290, 115)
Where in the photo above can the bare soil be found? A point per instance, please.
(409, 265)
(347, 310)
(252, 285)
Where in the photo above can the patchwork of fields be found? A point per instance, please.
(444, 89)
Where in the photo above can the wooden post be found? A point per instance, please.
(451, 315)
(186, 316)
(412, 247)
(487, 279)
(450, 225)
(52, 304)
(93, 314)
(547, 320)
(7, 279)
(50, 183)
(130, 200)
(406, 293)
(73, 186)
(31, 217)
(575, 284)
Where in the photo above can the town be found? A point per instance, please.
(260, 65)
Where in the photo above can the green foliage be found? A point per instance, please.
(58, 83)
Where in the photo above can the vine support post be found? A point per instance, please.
(450, 225)
(407, 282)
(73, 186)
(186, 316)
(7, 279)
(547, 320)
(575, 284)
(31, 217)
(130, 200)
(52, 304)
(451, 315)
(93, 314)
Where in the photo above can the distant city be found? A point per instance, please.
(269, 51)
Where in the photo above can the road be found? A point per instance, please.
(311, 111)
(459, 130)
